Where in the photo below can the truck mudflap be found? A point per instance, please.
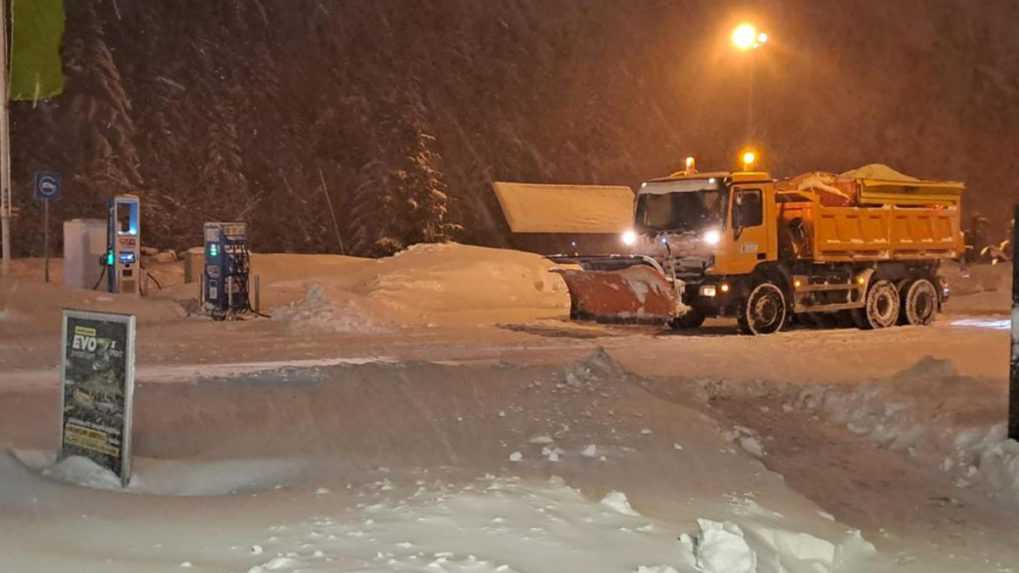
(636, 294)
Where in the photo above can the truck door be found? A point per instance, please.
(749, 231)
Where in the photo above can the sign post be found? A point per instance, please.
(1013, 373)
(47, 188)
(97, 389)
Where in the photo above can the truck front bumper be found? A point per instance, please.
(713, 296)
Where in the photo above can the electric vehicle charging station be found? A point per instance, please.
(123, 245)
(227, 271)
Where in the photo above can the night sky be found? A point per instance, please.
(254, 110)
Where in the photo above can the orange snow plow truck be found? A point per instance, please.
(862, 248)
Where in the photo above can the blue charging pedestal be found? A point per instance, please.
(225, 280)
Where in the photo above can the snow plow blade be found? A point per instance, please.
(636, 294)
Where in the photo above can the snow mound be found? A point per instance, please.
(747, 439)
(756, 547)
(496, 525)
(935, 415)
(594, 370)
(999, 463)
(426, 284)
(617, 501)
(318, 312)
(275, 564)
(459, 284)
(84, 472)
(979, 289)
(721, 548)
(28, 302)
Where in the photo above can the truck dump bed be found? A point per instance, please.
(828, 218)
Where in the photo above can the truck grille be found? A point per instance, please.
(691, 269)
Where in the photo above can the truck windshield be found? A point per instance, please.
(682, 211)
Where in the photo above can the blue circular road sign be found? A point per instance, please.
(47, 185)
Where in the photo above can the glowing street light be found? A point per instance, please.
(746, 37)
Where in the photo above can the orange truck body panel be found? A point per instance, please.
(887, 233)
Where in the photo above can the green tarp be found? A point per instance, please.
(37, 28)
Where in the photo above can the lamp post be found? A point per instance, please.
(5, 151)
(747, 38)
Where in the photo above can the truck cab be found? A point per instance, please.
(707, 230)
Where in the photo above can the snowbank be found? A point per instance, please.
(500, 525)
(932, 413)
(459, 283)
(428, 284)
(168, 477)
(318, 311)
(766, 547)
(30, 303)
(84, 472)
(512, 525)
(979, 289)
(721, 548)
(425, 285)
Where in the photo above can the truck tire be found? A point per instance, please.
(881, 309)
(919, 303)
(764, 310)
(693, 318)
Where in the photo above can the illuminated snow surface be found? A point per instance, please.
(491, 524)
(434, 412)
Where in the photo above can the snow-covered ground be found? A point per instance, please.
(435, 412)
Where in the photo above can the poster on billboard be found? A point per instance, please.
(97, 389)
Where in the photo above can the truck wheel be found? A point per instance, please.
(764, 311)
(881, 309)
(693, 318)
(919, 303)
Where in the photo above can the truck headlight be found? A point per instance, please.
(708, 290)
(629, 238)
(712, 237)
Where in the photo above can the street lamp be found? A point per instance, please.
(747, 38)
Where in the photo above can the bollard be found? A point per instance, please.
(258, 294)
